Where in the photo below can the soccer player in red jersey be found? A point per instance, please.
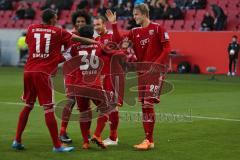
(104, 36)
(88, 77)
(44, 42)
(151, 44)
(79, 19)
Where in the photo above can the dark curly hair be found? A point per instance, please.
(83, 14)
(86, 31)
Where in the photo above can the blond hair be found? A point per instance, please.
(143, 8)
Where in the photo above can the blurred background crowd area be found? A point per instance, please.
(186, 15)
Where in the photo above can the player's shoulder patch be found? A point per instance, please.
(166, 36)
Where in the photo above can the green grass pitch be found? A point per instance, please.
(209, 128)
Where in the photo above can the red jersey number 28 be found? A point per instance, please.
(37, 36)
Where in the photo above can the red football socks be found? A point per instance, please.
(114, 121)
(52, 125)
(148, 121)
(101, 122)
(66, 114)
(85, 130)
(22, 121)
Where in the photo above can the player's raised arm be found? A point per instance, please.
(83, 39)
(112, 18)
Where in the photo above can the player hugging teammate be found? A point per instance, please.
(94, 69)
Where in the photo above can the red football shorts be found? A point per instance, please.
(114, 87)
(37, 85)
(149, 88)
(83, 100)
(69, 80)
(99, 99)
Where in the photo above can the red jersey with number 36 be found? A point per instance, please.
(90, 68)
(45, 43)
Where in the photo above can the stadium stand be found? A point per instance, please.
(192, 18)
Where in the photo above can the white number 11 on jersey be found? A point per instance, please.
(37, 36)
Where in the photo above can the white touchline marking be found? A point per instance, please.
(197, 117)
(215, 118)
(191, 116)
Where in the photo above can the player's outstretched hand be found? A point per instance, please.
(110, 47)
(112, 17)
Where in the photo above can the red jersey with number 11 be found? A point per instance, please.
(45, 43)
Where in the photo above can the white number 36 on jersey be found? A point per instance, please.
(92, 61)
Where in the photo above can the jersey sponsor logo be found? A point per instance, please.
(144, 41)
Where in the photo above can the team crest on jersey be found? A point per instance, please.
(151, 32)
